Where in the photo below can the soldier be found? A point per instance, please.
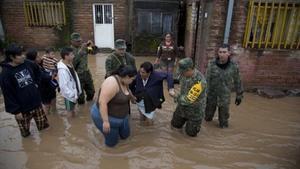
(191, 100)
(222, 76)
(118, 57)
(80, 64)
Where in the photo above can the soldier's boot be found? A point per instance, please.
(192, 128)
(223, 124)
(210, 110)
(223, 116)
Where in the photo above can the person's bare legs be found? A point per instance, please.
(53, 105)
(46, 108)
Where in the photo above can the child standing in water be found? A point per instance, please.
(49, 64)
(68, 80)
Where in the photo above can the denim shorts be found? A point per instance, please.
(119, 127)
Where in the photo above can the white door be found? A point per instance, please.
(103, 25)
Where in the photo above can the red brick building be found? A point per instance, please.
(103, 21)
(277, 67)
(42, 23)
(88, 17)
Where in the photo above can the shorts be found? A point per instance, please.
(70, 106)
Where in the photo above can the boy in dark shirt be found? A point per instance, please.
(19, 82)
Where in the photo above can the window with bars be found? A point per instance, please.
(44, 13)
(103, 14)
(154, 22)
(273, 24)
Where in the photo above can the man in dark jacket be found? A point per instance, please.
(19, 82)
(148, 89)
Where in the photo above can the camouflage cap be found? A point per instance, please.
(75, 36)
(185, 64)
(120, 44)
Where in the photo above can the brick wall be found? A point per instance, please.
(269, 67)
(12, 14)
(83, 18)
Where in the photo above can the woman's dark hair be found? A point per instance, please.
(124, 71)
(147, 66)
(31, 54)
(50, 49)
(65, 51)
(225, 46)
(12, 50)
(168, 33)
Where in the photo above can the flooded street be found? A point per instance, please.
(262, 134)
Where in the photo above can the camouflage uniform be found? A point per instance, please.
(80, 63)
(220, 82)
(191, 106)
(113, 62)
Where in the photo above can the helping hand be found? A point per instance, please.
(106, 127)
(172, 93)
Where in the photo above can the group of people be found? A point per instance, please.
(38, 79)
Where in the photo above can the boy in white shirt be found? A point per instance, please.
(68, 80)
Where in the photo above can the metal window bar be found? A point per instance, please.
(107, 14)
(44, 13)
(99, 14)
(272, 24)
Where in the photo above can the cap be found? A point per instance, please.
(184, 65)
(120, 44)
(75, 36)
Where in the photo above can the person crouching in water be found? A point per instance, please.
(148, 90)
(19, 81)
(111, 111)
(68, 80)
(48, 83)
(192, 98)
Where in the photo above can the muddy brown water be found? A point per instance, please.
(263, 134)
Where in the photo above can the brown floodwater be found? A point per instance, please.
(263, 134)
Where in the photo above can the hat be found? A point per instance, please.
(184, 65)
(120, 44)
(75, 36)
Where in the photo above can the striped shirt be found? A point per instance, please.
(49, 63)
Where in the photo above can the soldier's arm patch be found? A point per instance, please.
(194, 92)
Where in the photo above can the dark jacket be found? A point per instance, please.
(20, 87)
(152, 93)
(47, 86)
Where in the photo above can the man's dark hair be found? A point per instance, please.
(124, 71)
(65, 51)
(225, 46)
(50, 49)
(147, 66)
(12, 50)
(31, 54)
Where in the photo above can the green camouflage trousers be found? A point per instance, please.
(87, 87)
(186, 114)
(223, 110)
